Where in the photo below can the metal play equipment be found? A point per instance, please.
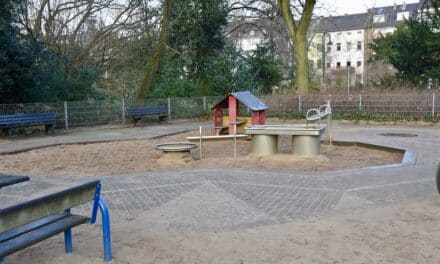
(230, 102)
(316, 114)
(176, 150)
(306, 140)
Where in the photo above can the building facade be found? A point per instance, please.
(338, 46)
(347, 40)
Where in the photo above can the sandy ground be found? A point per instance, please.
(403, 233)
(132, 156)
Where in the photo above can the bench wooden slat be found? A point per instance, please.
(45, 114)
(31, 226)
(138, 113)
(8, 122)
(31, 210)
(40, 234)
(147, 111)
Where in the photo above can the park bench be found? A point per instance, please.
(29, 222)
(138, 113)
(21, 120)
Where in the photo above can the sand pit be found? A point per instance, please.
(133, 156)
(405, 233)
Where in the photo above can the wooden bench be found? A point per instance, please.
(139, 113)
(31, 221)
(21, 120)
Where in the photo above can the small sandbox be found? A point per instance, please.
(134, 156)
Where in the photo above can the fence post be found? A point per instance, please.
(433, 104)
(169, 108)
(360, 102)
(299, 103)
(204, 103)
(123, 110)
(66, 117)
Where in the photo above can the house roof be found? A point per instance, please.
(391, 14)
(341, 23)
(246, 98)
(364, 20)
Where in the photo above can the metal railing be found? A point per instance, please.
(92, 113)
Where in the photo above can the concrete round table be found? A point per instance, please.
(176, 150)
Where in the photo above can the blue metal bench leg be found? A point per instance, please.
(99, 203)
(106, 230)
(68, 245)
(68, 240)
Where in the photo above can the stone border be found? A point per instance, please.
(409, 156)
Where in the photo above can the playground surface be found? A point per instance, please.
(245, 215)
(139, 155)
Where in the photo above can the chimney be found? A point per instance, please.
(404, 6)
(394, 5)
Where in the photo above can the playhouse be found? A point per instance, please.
(225, 125)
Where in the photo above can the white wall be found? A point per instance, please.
(353, 54)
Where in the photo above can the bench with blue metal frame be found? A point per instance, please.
(29, 222)
(21, 120)
(138, 113)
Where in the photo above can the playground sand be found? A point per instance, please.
(134, 156)
(401, 233)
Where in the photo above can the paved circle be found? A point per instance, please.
(230, 198)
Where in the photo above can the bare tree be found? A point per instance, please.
(80, 28)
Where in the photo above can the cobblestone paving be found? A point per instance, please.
(229, 198)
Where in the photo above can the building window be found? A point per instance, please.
(338, 46)
(319, 64)
(319, 47)
(359, 63)
(329, 48)
(379, 18)
(402, 16)
(311, 64)
(348, 33)
(338, 64)
(329, 65)
(348, 64)
(348, 45)
(252, 33)
(359, 32)
(359, 45)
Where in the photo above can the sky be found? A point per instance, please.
(341, 7)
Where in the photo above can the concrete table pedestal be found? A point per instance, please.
(264, 144)
(306, 145)
(176, 155)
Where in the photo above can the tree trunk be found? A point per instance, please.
(154, 61)
(298, 35)
(302, 67)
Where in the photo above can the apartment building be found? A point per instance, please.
(347, 39)
(338, 45)
(337, 48)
